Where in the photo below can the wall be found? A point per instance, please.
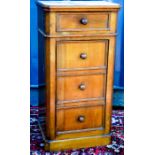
(37, 78)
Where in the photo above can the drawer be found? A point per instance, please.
(82, 21)
(80, 118)
(81, 54)
(80, 87)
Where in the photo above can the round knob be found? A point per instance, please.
(81, 118)
(83, 55)
(84, 21)
(82, 86)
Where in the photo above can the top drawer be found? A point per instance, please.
(82, 21)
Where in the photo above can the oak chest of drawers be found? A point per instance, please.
(78, 40)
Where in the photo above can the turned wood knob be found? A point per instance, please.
(81, 118)
(83, 55)
(84, 21)
(82, 86)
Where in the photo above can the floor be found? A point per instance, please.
(115, 148)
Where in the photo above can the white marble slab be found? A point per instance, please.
(76, 3)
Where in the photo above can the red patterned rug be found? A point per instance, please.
(115, 148)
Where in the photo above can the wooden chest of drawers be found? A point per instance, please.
(78, 39)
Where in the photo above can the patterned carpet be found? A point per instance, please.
(116, 147)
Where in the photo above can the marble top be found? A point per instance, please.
(51, 4)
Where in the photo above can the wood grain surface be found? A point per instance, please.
(79, 71)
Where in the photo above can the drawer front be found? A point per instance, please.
(81, 54)
(82, 21)
(80, 118)
(80, 87)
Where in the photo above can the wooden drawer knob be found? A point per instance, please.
(81, 118)
(84, 21)
(82, 87)
(83, 55)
